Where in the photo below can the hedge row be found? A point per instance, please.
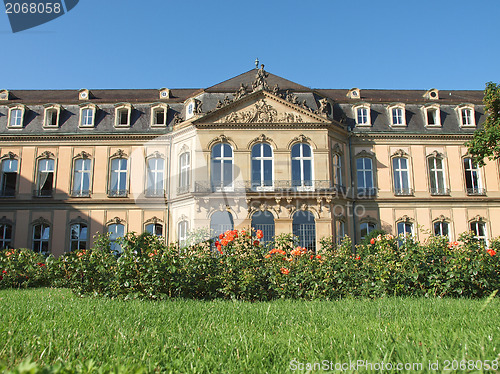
(239, 266)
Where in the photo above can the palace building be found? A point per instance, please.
(256, 150)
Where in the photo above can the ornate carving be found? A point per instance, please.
(242, 91)
(177, 118)
(299, 139)
(227, 100)
(292, 98)
(10, 155)
(405, 219)
(219, 104)
(46, 154)
(260, 82)
(41, 221)
(337, 149)
(261, 113)
(441, 218)
(116, 221)
(365, 153)
(119, 154)
(436, 154)
(84, 155)
(153, 220)
(324, 106)
(198, 106)
(478, 218)
(78, 219)
(400, 153)
(276, 90)
(156, 154)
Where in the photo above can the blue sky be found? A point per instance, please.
(320, 44)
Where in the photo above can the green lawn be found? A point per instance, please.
(53, 325)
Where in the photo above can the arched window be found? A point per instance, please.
(442, 228)
(302, 172)
(182, 230)
(155, 177)
(51, 117)
(304, 227)
(262, 166)
(220, 222)
(81, 177)
(401, 176)
(184, 170)
(478, 228)
(366, 228)
(16, 116)
(473, 181)
(116, 230)
(8, 178)
(41, 237)
(264, 221)
(155, 229)
(5, 235)
(118, 178)
(436, 175)
(87, 115)
(222, 167)
(78, 236)
(45, 178)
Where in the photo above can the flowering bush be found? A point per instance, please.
(236, 265)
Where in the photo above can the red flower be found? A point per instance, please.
(260, 235)
(256, 243)
(217, 243)
(318, 257)
(4, 271)
(312, 256)
(358, 257)
(224, 242)
(41, 264)
(491, 252)
(285, 271)
(221, 236)
(372, 241)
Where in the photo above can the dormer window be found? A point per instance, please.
(51, 118)
(159, 115)
(87, 115)
(466, 114)
(4, 95)
(397, 113)
(354, 93)
(432, 115)
(83, 94)
(16, 116)
(431, 94)
(164, 93)
(122, 115)
(362, 115)
(190, 109)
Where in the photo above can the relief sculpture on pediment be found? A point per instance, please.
(262, 112)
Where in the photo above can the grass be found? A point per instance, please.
(54, 326)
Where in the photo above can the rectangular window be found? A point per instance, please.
(5, 236)
(436, 176)
(16, 118)
(159, 117)
(479, 231)
(432, 117)
(78, 237)
(118, 180)
(8, 178)
(155, 187)
(87, 119)
(362, 116)
(337, 170)
(182, 232)
(123, 117)
(364, 170)
(81, 178)
(401, 176)
(467, 117)
(41, 236)
(473, 180)
(51, 118)
(442, 229)
(184, 166)
(45, 179)
(397, 116)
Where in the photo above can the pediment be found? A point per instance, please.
(262, 107)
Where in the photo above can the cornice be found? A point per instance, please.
(386, 135)
(78, 137)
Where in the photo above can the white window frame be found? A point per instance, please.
(368, 231)
(301, 158)
(79, 239)
(339, 230)
(80, 191)
(154, 109)
(398, 174)
(437, 118)
(118, 193)
(48, 112)
(261, 159)
(6, 242)
(184, 171)
(221, 159)
(405, 232)
(477, 185)
(2, 174)
(366, 116)
(17, 109)
(154, 225)
(338, 180)
(119, 109)
(113, 236)
(39, 242)
(364, 172)
(441, 224)
(441, 186)
(466, 112)
(391, 110)
(84, 123)
(182, 230)
(476, 223)
(39, 172)
(154, 175)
